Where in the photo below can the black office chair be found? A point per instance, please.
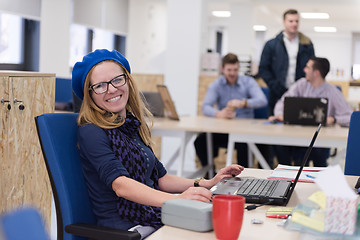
(75, 219)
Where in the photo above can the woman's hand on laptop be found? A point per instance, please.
(197, 193)
(229, 171)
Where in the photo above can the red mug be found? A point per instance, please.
(227, 216)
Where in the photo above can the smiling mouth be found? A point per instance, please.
(113, 99)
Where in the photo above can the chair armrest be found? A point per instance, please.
(99, 232)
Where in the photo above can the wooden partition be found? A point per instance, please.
(204, 82)
(344, 85)
(23, 176)
(148, 82)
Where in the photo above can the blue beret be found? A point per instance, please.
(82, 68)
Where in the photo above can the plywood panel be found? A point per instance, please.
(24, 177)
(4, 122)
(148, 82)
(344, 87)
(204, 82)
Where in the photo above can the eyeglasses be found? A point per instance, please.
(103, 87)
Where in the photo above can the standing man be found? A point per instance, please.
(284, 58)
(235, 96)
(313, 85)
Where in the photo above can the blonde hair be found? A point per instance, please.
(90, 113)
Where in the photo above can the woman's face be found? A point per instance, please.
(114, 99)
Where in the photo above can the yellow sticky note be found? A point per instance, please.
(319, 197)
(278, 210)
(313, 223)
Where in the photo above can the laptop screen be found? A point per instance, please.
(306, 156)
(305, 111)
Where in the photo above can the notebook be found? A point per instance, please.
(263, 191)
(154, 103)
(305, 111)
(170, 110)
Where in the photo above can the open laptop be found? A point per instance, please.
(170, 110)
(263, 191)
(305, 111)
(154, 103)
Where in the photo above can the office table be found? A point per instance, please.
(249, 131)
(256, 131)
(268, 230)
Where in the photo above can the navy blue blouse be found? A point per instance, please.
(101, 168)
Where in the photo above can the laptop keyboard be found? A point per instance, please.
(260, 187)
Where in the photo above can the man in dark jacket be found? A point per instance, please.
(284, 58)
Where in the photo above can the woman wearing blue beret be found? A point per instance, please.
(127, 184)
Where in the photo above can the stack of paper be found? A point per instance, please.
(286, 172)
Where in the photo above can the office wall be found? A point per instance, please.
(147, 36)
(55, 37)
(111, 15)
(25, 8)
(337, 48)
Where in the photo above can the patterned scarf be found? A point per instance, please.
(133, 160)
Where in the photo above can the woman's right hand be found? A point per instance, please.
(197, 193)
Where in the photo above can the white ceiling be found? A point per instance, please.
(344, 14)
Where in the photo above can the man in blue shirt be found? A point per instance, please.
(231, 96)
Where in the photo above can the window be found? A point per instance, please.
(102, 39)
(11, 39)
(79, 45)
(84, 40)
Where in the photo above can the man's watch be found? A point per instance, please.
(197, 182)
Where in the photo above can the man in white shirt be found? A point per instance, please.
(284, 58)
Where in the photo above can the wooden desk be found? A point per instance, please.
(249, 131)
(268, 230)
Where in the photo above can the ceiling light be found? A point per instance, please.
(309, 15)
(221, 13)
(259, 28)
(325, 29)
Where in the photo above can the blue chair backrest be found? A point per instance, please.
(63, 90)
(25, 223)
(352, 161)
(263, 112)
(58, 137)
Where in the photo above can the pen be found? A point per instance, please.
(282, 216)
(309, 176)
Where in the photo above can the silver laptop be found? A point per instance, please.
(263, 191)
(305, 111)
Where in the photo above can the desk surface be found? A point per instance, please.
(248, 126)
(268, 230)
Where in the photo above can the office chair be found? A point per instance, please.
(22, 223)
(57, 133)
(352, 164)
(264, 111)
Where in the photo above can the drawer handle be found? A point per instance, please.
(21, 106)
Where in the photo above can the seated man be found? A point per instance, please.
(235, 96)
(313, 85)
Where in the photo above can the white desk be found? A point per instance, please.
(268, 230)
(249, 131)
(255, 131)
